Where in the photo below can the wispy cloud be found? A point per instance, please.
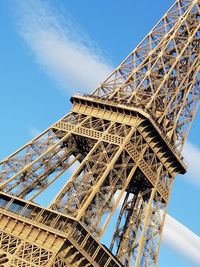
(33, 131)
(192, 155)
(60, 46)
(181, 239)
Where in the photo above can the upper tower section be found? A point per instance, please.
(161, 75)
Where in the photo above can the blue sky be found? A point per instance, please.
(43, 57)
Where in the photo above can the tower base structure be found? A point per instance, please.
(142, 164)
(33, 236)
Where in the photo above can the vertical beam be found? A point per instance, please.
(66, 186)
(146, 221)
(109, 167)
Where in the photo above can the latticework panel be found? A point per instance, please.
(113, 159)
(21, 253)
(161, 75)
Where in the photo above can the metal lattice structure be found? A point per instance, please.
(125, 141)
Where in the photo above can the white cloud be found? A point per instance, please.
(192, 155)
(181, 239)
(33, 131)
(60, 47)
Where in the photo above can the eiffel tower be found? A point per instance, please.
(118, 149)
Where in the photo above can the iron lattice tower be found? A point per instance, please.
(125, 140)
